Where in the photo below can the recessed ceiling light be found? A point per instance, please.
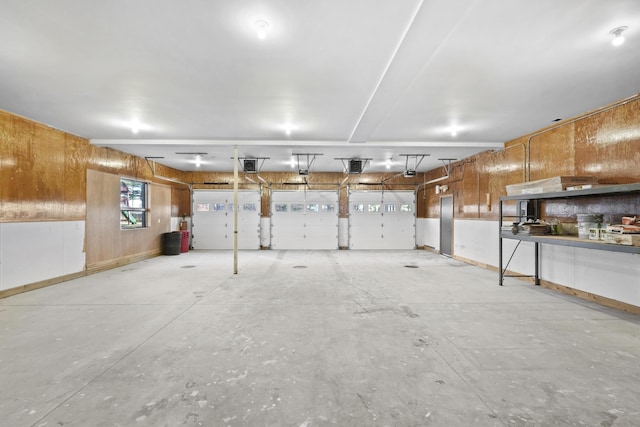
(135, 125)
(618, 38)
(288, 128)
(261, 27)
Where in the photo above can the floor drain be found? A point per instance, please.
(188, 266)
(299, 266)
(411, 266)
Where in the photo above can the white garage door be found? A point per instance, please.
(382, 220)
(213, 219)
(304, 220)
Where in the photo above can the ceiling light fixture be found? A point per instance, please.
(198, 161)
(134, 125)
(618, 38)
(288, 128)
(388, 164)
(261, 28)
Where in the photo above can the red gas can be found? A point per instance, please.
(184, 243)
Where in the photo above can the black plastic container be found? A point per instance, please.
(171, 243)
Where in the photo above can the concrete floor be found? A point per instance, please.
(313, 338)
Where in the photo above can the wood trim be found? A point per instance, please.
(608, 302)
(119, 262)
(476, 263)
(428, 249)
(42, 284)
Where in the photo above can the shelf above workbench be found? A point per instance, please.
(596, 191)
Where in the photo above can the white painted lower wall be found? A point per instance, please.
(176, 220)
(428, 232)
(608, 274)
(32, 252)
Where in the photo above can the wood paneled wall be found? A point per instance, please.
(43, 172)
(604, 143)
(109, 245)
(40, 177)
(44, 177)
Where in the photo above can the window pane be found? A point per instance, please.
(358, 207)
(328, 208)
(405, 208)
(251, 207)
(217, 207)
(295, 207)
(132, 194)
(281, 207)
(390, 208)
(313, 207)
(202, 207)
(374, 208)
(133, 203)
(132, 219)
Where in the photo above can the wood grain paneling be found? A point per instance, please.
(33, 183)
(46, 174)
(7, 161)
(180, 201)
(103, 217)
(603, 143)
(470, 181)
(106, 242)
(75, 176)
(552, 153)
(43, 171)
(612, 207)
(608, 145)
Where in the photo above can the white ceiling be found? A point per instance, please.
(355, 78)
